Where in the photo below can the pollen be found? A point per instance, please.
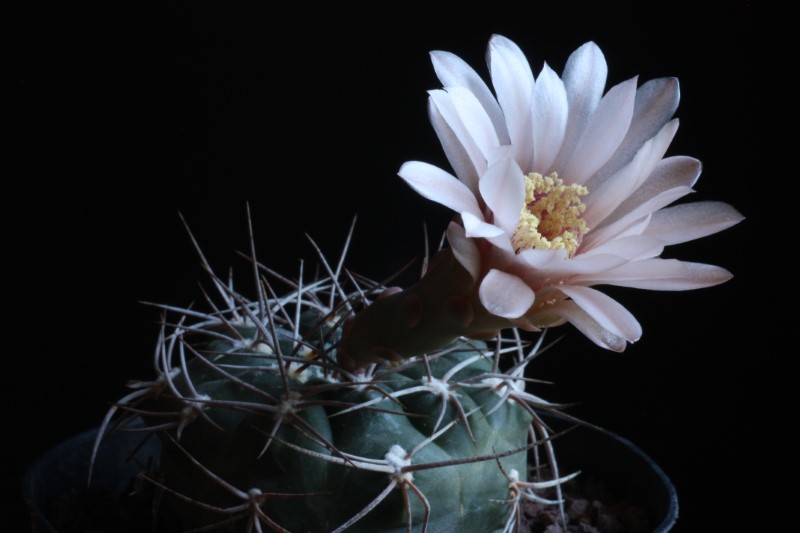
(551, 218)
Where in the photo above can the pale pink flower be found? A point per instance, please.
(561, 188)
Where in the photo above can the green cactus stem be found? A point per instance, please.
(441, 307)
(264, 424)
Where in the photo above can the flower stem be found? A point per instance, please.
(441, 307)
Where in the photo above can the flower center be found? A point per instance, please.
(551, 217)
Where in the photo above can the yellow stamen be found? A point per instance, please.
(551, 217)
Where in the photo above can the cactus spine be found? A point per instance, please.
(264, 425)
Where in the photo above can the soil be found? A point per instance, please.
(100, 510)
(589, 508)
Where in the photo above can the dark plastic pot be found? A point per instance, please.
(63, 472)
(624, 468)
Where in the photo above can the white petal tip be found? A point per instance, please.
(505, 295)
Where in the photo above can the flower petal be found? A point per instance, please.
(443, 103)
(540, 259)
(512, 79)
(661, 275)
(655, 103)
(477, 227)
(437, 185)
(464, 249)
(584, 79)
(550, 110)
(503, 189)
(607, 196)
(453, 71)
(456, 153)
(676, 174)
(475, 119)
(687, 222)
(587, 325)
(614, 231)
(608, 313)
(646, 209)
(580, 264)
(631, 247)
(603, 134)
(505, 295)
(575, 268)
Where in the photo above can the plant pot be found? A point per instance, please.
(625, 469)
(59, 478)
(60, 475)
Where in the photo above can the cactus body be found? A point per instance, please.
(227, 434)
(263, 428)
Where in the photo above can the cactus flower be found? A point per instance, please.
(561, 188)
(558, 188)
(274, 412)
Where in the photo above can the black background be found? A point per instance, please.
(123, 117)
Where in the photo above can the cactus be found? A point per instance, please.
(262, 427)
(346, 404)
